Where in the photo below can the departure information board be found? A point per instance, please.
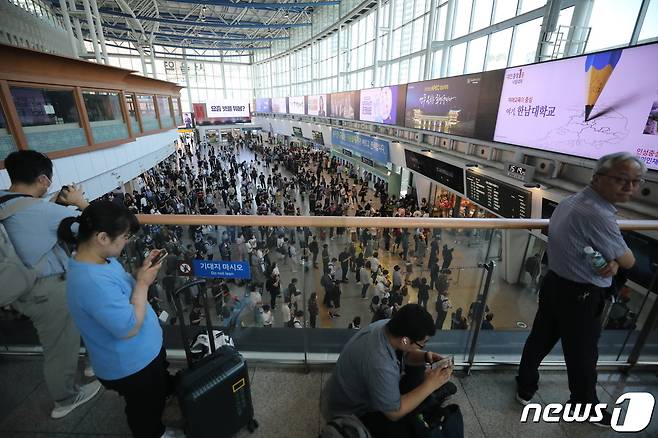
(497, 196)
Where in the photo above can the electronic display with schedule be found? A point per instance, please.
(499, 197)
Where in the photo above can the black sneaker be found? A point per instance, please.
(523, 399)
(605, 421)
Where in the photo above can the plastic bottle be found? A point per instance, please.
(594, 258)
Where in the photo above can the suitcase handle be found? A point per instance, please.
(179, 311)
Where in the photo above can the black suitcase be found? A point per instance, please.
(214, 392)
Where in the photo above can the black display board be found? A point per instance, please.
(318, 138)
(347, 152)
(547, 209)
(368, 161)
(444, 173)
(297, 132)
(499, 197)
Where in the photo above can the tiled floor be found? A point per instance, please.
(286, 402)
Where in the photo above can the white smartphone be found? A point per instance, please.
(447, 361)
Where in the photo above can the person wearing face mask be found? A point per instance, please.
(110, 308)
(31, 223)
(572, 294)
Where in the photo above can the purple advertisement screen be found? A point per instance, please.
(264, 105)
(382, 105)
(587, 106)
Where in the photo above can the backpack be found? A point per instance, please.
(291, 323)
(345, 426)
(16, 278)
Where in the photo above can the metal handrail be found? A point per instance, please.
(366, 222)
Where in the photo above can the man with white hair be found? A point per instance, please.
(571, 298)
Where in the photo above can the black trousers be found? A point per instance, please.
(571, 313)
(380, 426)
(144, 393)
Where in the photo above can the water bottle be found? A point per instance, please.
(595, 258)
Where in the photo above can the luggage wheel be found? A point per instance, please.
(252, 425)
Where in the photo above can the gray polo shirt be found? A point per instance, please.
(33, 232)
(367, 375)
(583, 219)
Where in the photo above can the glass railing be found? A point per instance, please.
(474, 276)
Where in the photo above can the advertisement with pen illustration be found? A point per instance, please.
(587, 106)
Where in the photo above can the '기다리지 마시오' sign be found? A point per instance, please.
(447, 174)
(370, 147)
(221, 269)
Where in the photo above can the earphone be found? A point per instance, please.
(405, 341)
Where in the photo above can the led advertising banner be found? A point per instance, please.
(344, 105)
(367, 146)
(280, 105)
(445, 173)
(318, 137)
(587, 106)
(317, 105)
(461, 105)
(383, 105)
(202, 114)
(188, 120)
(297, 105)
(228, 109)
(297, 132)
(264, 105)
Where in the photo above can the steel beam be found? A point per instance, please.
(263, 6)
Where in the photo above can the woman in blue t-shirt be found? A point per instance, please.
(121, 332)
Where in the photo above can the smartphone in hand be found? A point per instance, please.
(447, 361)
(59, 201)
(158, 258)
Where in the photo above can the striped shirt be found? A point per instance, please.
(583, 219)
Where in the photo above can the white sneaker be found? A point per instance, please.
(89, 371)
(87, 392)
(170, 432)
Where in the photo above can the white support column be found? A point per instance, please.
(152, 50)
(223, 77)
(427, 70)
(338, 57)
(582, 11)
(549, 24)
(99, 29)
(375, 54)
(187, 79)
(447, 36)
(78, 29)
(389, 43)
(142, 58)
(69, 29)
(92, 30)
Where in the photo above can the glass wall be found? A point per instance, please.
(166, 119)
(7, 143)
(147, 113)
(105, 115)
(49, 118)
(132, 114)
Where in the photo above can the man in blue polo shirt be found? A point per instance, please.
(31, 224)
(571, 298)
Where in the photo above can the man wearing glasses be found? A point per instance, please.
(571, 297)
(31, 224)
(376, 376)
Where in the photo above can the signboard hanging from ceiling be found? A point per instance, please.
(228, 109)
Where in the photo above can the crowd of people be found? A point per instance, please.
(250, 176)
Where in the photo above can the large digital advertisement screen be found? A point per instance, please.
(228, 109)
(220, 113)
(344, 105)
(383, 105)
(317, 105)
(280, 105)
(264, 105)
(369, 147)
(461, 105)
(587, 106)
(297, 105)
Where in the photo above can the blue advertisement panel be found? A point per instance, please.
(367, 146)
(221, 269)
(264, 105)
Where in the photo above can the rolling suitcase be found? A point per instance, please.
(214, 392)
